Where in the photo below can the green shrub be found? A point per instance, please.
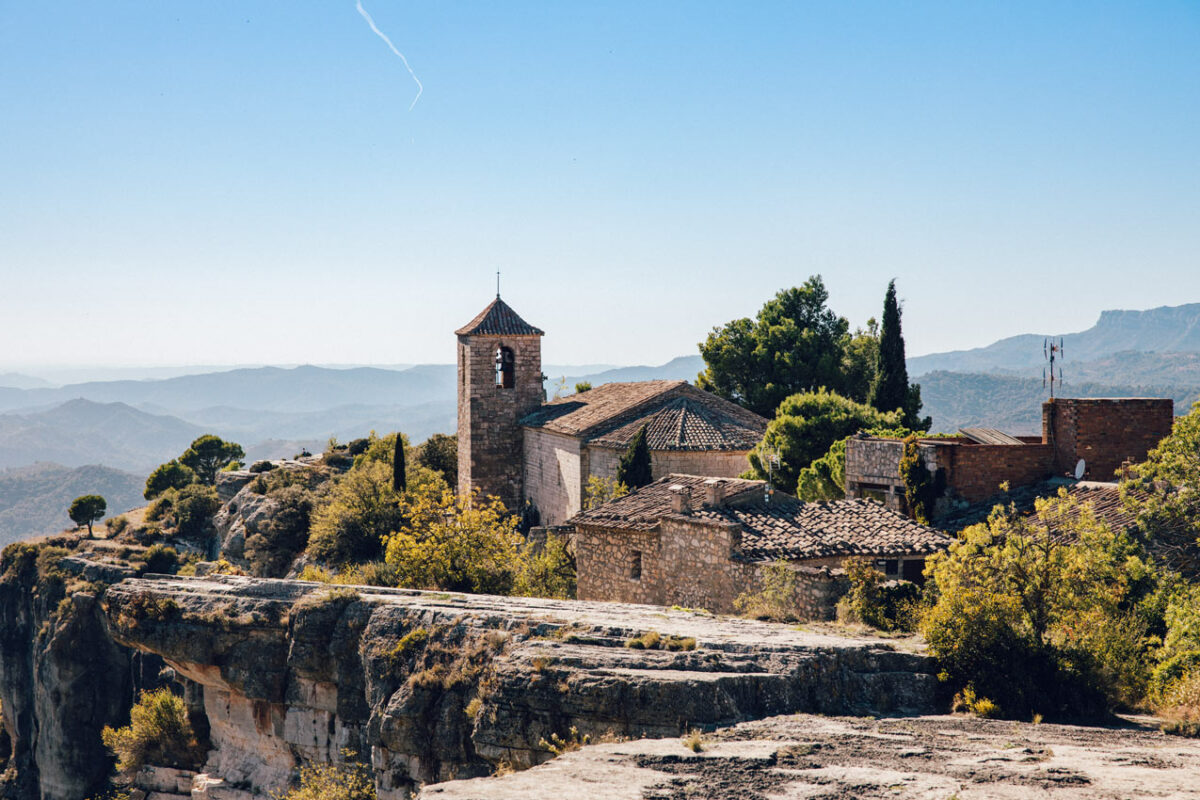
(1171, 671)
(195, 507)
(117, 525)
(346, 781)
(282, 536)
(159, 733)
(261, 466)
(548, 572)
(775, 599)
(873, 600)
(161, 560)
(1180, 706)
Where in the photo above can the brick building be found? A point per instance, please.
(515, 445)
(1095, 435)
(701, 542)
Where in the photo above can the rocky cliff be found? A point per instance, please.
(437, 686)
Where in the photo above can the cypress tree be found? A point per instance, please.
(399, 475)
(890, 390)
(633, 469)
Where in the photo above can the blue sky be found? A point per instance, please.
(225, 182)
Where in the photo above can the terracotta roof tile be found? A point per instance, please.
(679, 417)
(691, 423)
(498, 319)
(782, 528)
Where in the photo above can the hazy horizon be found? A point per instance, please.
(217, 184)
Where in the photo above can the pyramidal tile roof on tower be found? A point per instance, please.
(498, 319)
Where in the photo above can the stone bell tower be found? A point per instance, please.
(499, 382)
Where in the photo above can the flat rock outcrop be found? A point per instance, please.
(438, 686)
(807, 756)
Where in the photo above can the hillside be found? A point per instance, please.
(957, 400)
(1168, 329)
(82, 432)
(34, 499)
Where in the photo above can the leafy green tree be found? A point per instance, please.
(633, 468)
(87, 509)
(860, 362)
(194, 508)
(208, 455)
(891, 389)
(1164, 490)
(804, 430)
(547, 571)
(362, 508)
(440, 453)
(601, 490)
(464, 544)
(171, 475)
(795, 344)
(1043, 614)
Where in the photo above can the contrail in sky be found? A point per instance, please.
(388, 41)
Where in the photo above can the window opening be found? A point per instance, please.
(635, 567)
(505, 368)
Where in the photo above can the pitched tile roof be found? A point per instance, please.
(691, 423)
(1174, 549)
(678, 417)
(498, 319)
(782, 528)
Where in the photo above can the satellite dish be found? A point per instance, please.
(1080, 468)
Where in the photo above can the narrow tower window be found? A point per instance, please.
(505, 377)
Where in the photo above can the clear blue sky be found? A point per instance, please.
(218, 182)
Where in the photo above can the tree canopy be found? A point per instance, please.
(171, 475)
(87, 509)
(633, 469)
(794, 344)
(805, 428)
(208, 455)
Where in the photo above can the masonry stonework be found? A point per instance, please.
(690, 564)
(490, 445)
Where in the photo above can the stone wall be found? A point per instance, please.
(691, 564)
(1104, 432)
(554, 477)
(489, 438)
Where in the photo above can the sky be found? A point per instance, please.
(251, 182)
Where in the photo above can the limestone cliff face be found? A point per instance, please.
(62, 679)
(434, 686)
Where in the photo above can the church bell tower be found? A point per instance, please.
(499, 382)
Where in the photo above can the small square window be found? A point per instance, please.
(635, 565)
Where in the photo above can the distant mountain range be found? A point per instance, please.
(1169, 329)
(34, 499)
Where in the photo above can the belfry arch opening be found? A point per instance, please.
(505, 368)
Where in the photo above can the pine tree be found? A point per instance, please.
(633, 469)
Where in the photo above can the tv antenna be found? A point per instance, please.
(1052, 351)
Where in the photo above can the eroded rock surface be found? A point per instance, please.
(805, 756)
(437, 686)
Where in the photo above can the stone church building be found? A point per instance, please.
(515, 445)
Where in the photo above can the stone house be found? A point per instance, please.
(1091, 436)
(515, 445)
(701, 542)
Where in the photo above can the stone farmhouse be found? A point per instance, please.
(1081, 438)
(515, 445)
(701, 542)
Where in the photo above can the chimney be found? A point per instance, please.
(681, 499)
(714, 492)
